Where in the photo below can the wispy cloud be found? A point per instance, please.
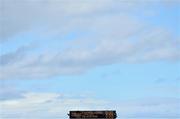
(24, 15)
(112, 34)
(155, 45)
(76, 36)
(20, 16)
(45, 105)
(53, 105)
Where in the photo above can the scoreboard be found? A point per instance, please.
(93, 114)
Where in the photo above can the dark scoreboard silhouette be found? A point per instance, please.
(107, 114)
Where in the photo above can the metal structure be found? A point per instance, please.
(107, 114)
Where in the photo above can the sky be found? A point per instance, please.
(62, 55)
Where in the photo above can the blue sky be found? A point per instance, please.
(61, 55)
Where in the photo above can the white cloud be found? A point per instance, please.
(45, 105)
(155, 45)
(23, 15)
(114, 35)
(54, 105)
(19, 16)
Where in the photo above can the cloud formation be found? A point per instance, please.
(44, 105)
(54, 105)
(105, 32)
(19, 16)
(157, 45)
